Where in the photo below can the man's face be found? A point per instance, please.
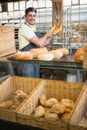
(31, 17)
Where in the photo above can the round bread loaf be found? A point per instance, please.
(57, 53)
(65, 117)
(42, 99)
(50, 102)
(51, 116)
(58, 108)
(68, 103)
(39, 111)
(45, 56)
(64, 51)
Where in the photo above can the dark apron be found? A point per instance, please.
(26, 69)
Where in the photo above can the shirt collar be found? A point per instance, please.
(32, 26)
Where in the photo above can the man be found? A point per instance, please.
(29, 38)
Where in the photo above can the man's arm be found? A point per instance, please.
(43, 41)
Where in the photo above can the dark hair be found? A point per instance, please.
(30, 9)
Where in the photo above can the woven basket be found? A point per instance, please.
(7, 40)
(11, 85)
(52, 89)
(77, 121)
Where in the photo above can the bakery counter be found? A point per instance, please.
(65, 63)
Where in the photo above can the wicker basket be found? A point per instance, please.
(11, 85)
(78, 120)
(51, 88)
(7, 40)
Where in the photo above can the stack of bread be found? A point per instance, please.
(85, 56)
(41, 54)
(79, 55)
(52, 109)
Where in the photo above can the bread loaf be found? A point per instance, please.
(64, 51)
(6, 104)
(57, 28)
(65, 117)
(51, 116)
(50, 102)
(19, 95)
(37, 51)
(79, 55)
(58, 108)
(45, 56)
(68, 103)
(23, 56)
(39, 111)
(57, 53)
(42, 99)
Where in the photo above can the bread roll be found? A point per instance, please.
(58, 108)
(68, 103)
(23, 56)
(50, 102)
(42, 99)
(57, 54)
(45, 56)
(15, 105)
(51, 116)
(65, 117)
(6, 104)
(19, 95)
(64, 51)
(37, 51)
(68, 110)
(39, 111)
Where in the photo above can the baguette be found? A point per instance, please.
(53, 28)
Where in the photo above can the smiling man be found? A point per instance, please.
(29, 38)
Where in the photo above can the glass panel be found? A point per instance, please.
(75, 2)
(67, 2)
(28, 4)
(83, 1)
(22, 5)
(10, 6)
(16, 6)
